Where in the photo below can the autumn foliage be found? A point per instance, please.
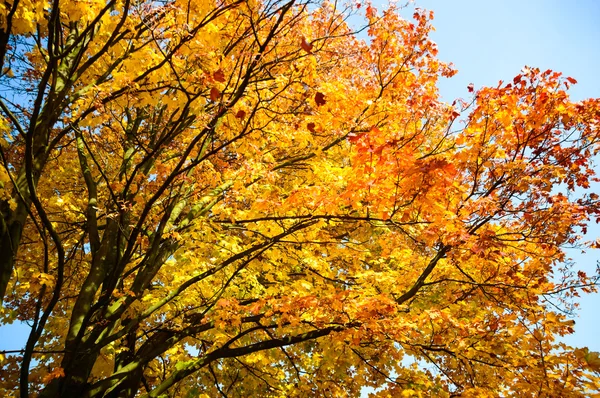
(251, 198)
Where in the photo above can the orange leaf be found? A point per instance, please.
(517, 79)
(354, 137)
(219, 76)
(214, 94)
(55, 374)
(571, 80)
(591, 358)
(306, 46)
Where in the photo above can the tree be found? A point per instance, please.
(250, 198)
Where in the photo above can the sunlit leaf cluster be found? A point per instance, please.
(248, 198)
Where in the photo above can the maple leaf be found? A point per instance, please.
(219, 76)
(591, 358)
(471, 87)
(55, 374)
(306, 46)
(320, 99)
(354, 137)
(215, 94)
(571, 80)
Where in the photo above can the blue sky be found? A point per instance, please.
(490, 41)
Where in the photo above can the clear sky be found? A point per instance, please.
(491, 40)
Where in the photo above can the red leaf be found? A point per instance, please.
(306, 46)
(471, 87)
(354, 137)
(311, 127)
(454, 115)
(214, 94)
(571, 80)
(517, 79)
(240, 114)
(320, 99)
(219, 76)
(379, 149)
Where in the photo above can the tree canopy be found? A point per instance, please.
(268, 198)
